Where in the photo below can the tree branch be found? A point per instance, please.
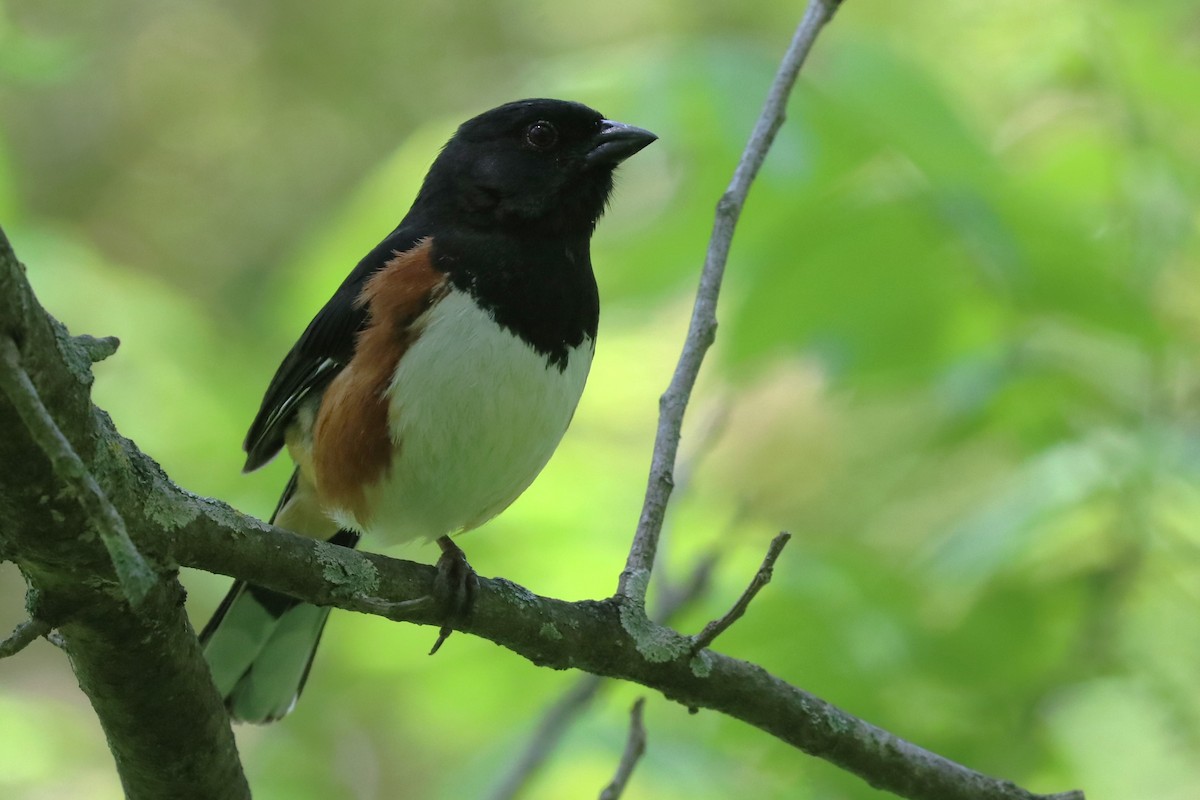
(22, 636)
(635, 578)
(587, 635)
(134, 573)
(142, 670)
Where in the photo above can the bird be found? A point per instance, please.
(434, 385)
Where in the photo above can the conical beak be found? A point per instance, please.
(616, 142)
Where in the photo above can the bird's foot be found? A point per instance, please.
(453, 588)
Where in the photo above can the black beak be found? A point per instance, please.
(616, 142)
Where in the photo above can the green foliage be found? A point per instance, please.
(957, 356)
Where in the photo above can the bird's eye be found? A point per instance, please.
(541, 135)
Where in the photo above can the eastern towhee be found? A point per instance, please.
(435, 384)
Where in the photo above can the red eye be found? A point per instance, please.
(541, 135)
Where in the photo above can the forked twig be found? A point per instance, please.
(761, 578)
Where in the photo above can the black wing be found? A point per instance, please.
(322, 351)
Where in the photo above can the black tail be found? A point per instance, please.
(260, 644)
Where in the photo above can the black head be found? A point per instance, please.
(545, 165)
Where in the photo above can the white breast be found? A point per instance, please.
(475, 413)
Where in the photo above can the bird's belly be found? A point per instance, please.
(474, 414)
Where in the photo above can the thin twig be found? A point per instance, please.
(133, 572)
(22, 636)
(635, 746)
(635, 577)
(550, 731)
(761, 578)
(98, 348)
(572, 703)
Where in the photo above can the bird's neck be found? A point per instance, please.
(540, 288)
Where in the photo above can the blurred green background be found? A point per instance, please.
(957, 360)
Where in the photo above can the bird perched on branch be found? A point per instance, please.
(434, 385)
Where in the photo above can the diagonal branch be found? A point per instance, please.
(702, 329)
(635, 746)
(549, 732)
